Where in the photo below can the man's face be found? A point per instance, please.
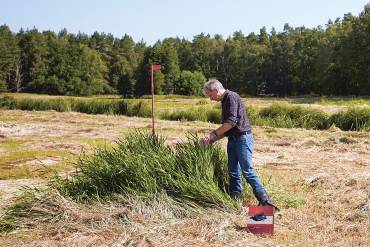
(213, 95)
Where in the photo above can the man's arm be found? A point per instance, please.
(223, 129)
(217, 134)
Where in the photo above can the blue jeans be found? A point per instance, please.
(239, 151)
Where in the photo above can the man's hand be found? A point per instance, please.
(208, 139)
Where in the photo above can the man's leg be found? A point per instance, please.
(245, 145)
(235, 187)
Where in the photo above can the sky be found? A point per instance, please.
(158, 19)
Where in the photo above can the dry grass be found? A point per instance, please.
(329, 215)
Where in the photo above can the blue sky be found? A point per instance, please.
(154, 20)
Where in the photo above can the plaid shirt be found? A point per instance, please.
(233, 112)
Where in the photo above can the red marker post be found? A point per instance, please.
(152, 68)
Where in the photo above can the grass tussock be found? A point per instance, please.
(355, 119)
(142, 165)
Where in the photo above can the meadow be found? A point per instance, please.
(90, 173)
(270, 113)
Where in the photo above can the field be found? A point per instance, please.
(320, 178)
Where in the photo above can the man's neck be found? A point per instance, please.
(222, 94)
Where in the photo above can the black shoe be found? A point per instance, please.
(264, 200)
(268, 203)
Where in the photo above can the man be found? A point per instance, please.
(236, 127)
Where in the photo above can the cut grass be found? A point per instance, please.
(138, 166)
(31, 207)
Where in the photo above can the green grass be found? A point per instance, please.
(170, 96)
(18, 172)
(203, 102)
(356, 119)
(85, 105)
(343, 101)
(141, 164)
(276, 115)
(17, 153)
(281, 115)
(203, 113)
(25, 155)
(12, 145)
(288, 116)
(327, 101)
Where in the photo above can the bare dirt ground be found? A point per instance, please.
(329, 171)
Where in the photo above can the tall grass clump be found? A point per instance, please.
(138, 109)
(191, 114)
(213, 115)
(253, 116)
(286, 116)
(356, 119)
(60, 105)
(7, 102)
(141, 164)
(96, 106)
(169, 96)
(89, 106)
(203, 113)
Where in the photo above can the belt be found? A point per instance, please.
(236, 135)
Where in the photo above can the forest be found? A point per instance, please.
(323, 61)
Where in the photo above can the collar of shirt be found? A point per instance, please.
(223, 96)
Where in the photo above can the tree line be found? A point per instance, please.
(330, 60)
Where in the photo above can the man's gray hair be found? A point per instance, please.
(211, 85)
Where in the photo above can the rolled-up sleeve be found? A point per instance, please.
(231, 111)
